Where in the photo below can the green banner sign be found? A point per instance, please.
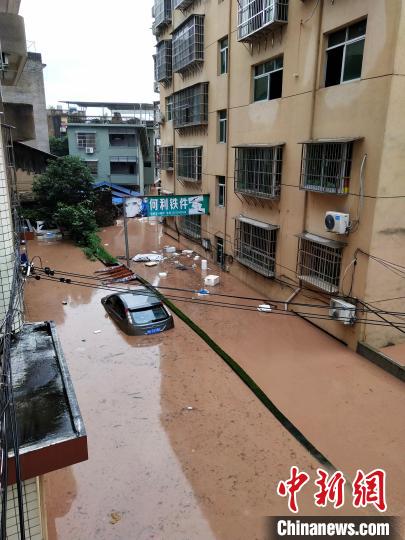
(176, 205)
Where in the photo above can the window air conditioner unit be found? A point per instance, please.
(337, 222)
(89, 150)
(342, 311)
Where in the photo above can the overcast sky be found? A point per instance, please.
(95, 50)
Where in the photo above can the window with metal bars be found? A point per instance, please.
(164, 61)
(182, 4)
(163, 13)
(190, 106)
(326, 166)
(166, 158)
(255, 245)
(93, 167)
(190, 226)
(188, 44)
(189, 163)
(86, 140)
(344, 55)
(258, 171)
(255, 16)
(319, 262)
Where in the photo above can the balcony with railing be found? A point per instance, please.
(182, 5)
(188, 44)
(163, 14)
(258, 170)
(190, 107)
(259, 16)
(163, 64)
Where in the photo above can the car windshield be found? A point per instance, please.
(149, 315)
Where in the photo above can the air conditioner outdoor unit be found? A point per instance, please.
(89, 150)
(342, 311)
(337, 222)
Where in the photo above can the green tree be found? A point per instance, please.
(66, 180)
(79, 220)
(59, 146)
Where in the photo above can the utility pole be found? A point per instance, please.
(126, 233)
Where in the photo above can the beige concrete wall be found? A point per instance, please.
(369, 109)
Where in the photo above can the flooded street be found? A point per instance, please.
(163, 470)
(179, 447)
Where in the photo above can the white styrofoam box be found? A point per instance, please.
(211, 280)
(170, 249)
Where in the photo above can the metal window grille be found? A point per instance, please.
(258, 171)
(190, 106)
(188, 44)
(163, 13)
(182, 4)
(164, 61)
(93, 167)
(326, 167)
(191, 226)
(169, 108)
(222, 121)
(166, 158)
(86, 140)
(189, 164)
(255, 247)
(257, 15)
(223, 55)
(319, 264)
(221, 190)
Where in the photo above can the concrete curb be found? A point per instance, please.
(381, 360)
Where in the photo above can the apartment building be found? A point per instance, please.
(116, 140)
(290, 115)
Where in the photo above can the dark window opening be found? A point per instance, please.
(122, 167)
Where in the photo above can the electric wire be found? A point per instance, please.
(193, 291)
(241, 307)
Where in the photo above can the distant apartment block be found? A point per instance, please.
(115, 140)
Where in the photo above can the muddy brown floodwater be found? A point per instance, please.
(179, 447)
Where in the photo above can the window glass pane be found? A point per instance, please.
(353, 60)
(224, 43)
(259, 70)
(261, 89)
(278, 62)
(337, 37)
(157, 313)
(334, 66)
(276, 84)
(269, 66)
(358, 29)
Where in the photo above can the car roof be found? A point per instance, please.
(139, 298)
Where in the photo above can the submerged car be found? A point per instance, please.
(138, 312)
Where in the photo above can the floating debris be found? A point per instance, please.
(264, 307)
